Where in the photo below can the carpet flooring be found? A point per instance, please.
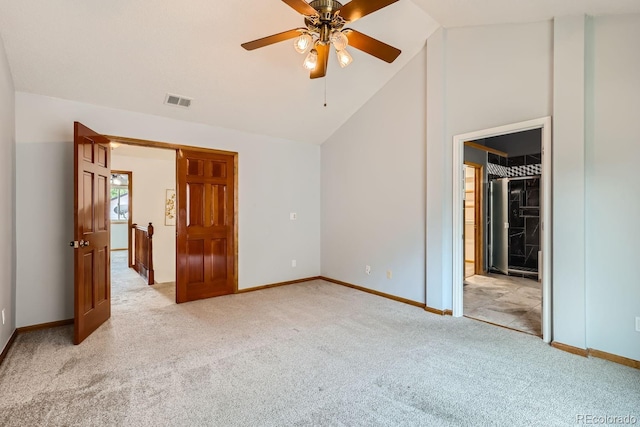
(309, 354)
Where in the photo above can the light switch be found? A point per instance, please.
(293, 216)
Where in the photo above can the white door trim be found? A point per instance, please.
(543, 123)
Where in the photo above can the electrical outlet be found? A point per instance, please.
(637, 322)
(3, 316)
(367, 269)
(389, 274)
(293, 263)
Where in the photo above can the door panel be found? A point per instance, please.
(219, 259)
(195, 204)
(206, 225)
(218, 205)
(92, 290)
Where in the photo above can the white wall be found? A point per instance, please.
(151, 177)
(474, 78)
(276, 177)
(569, 181)
(482, 77)
(612, 206)
(373, 190)
(493, 75)
(7, 200)
(438, 241)
(119, 235)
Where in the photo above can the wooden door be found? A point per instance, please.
(205, 249)
(92, 287)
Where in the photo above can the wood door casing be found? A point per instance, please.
(206, 246)
(480, 220)
(476, 207)
(92, 287)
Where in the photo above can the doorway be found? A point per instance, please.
(495, 258)
(203, 212)
(204, 217)
(145, 174)
(188, 196)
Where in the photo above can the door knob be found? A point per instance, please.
(80, 244)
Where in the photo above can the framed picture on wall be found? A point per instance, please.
(170, 208)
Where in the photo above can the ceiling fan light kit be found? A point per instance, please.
(344, 58)
(303, 43)
(324, 22)
(311, 60)
(339, 40)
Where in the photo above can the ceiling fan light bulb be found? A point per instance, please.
(302, 43)
(339, 40)
(311, 60)
(344, 58)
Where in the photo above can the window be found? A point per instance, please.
(119, 208)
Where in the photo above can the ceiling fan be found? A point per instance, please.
(324, 26)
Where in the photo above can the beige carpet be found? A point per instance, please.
(308, 354)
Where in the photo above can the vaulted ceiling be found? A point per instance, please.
(128, 55)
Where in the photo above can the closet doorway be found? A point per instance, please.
(499, 274)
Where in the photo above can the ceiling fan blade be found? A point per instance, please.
(323, 59)
(356, 9)
(302, 7)
(266, 41)
(371, 46)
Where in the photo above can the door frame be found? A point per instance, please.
(478, 197)
(176, 148)
(544, 124)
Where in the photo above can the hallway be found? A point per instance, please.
(129, 290)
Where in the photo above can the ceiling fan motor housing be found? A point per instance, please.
(325, 8)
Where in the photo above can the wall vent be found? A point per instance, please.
(178, 100)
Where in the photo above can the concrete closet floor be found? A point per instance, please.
(513, 302)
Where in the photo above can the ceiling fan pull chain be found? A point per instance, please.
(325, 92)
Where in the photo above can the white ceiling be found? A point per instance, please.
(461, 13)
(128, 54)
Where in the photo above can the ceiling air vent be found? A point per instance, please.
(178, 100)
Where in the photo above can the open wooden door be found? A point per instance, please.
(92, 287)
(205, 250)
